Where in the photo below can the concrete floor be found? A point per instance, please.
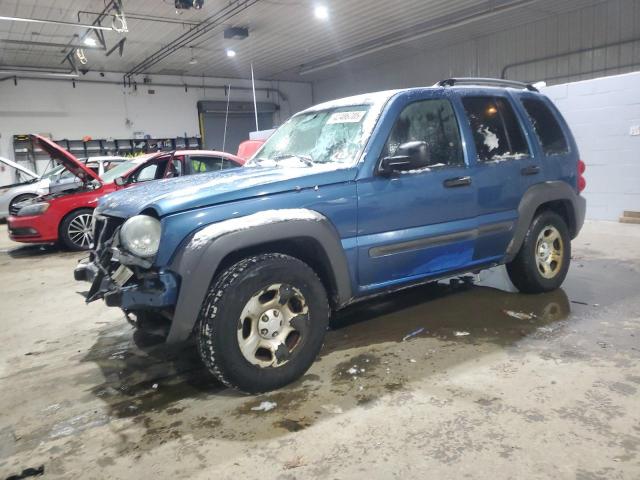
(493, 384)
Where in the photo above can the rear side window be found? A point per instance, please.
(201, 164)
(546, 127)
(496, 131)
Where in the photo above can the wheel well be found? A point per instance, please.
(305, 249)
(71, 213)
(30, 195)
(564, 209)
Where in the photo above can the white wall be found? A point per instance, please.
(101, 110)
(601, 114)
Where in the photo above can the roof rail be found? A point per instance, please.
(495, 82)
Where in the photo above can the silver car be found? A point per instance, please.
(26, 184)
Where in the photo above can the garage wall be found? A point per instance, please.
(423, 62)
(102, 110)
(604, 115)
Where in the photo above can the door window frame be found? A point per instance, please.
(461, 135)
(519, 114)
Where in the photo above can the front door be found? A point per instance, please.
(417, 223)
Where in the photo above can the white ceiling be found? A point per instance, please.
(284, 40)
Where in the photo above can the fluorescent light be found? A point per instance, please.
(321, 12)
(193, 61)
(230, 53)
(90, 42)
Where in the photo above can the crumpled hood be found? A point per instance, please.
(193, 191)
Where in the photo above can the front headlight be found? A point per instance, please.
(140, 235)
(33, 209)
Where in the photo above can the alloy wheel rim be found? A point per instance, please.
(272, 325)
(549, 252)
(81, 230)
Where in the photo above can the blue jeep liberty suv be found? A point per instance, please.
(348, 199)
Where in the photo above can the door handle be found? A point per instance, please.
(530, 170)
(457, 182)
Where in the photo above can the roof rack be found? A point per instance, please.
(494, 82)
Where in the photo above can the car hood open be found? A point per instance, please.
(194, 191)
(64, 158)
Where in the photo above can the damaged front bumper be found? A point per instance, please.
(151, 290)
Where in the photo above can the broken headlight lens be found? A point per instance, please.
(33, 209)
(140, 235)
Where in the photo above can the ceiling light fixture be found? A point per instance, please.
(90, 42)
(321, 12)
(230, 53)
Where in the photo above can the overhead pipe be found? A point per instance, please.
(224, 88)
(56, 22)
(211, 22)
(566, 54)
(51, 44)
(148, 18)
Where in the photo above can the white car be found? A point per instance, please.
(26, 184)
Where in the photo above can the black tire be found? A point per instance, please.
(219, 324)
(524, 270)
(66, 233)
(20, 198)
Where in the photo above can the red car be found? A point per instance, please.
(67, 217)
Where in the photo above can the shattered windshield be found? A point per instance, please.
(335, 135)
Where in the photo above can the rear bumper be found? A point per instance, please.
(580, 209)
(34, 229)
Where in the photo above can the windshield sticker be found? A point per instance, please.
(346, 117)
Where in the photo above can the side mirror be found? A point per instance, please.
(408, 156)
(120, 181)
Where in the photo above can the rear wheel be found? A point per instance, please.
(543, 260)
(263, 322)
(76, 230)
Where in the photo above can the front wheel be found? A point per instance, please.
(263, 322)
(76, 230)
(543, 260)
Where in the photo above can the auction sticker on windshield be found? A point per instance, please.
(346, 117)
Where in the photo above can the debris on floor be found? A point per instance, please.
(413, 334)
(519, 315)
(461, 334)
(265, 406)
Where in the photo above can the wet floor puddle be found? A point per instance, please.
(373, 350)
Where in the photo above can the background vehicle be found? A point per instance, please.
(348, 199)
(67, 216)
(54, 180)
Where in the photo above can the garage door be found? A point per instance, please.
(241, 121)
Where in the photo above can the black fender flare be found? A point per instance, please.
(538, 195)
(199, 258)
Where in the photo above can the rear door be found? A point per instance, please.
(417, 223)
(504, 166)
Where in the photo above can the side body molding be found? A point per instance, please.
(537, 195)
(199, 259)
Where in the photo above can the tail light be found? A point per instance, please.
(582, 183)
